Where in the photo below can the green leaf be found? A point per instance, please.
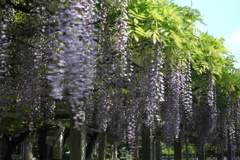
(149, 33)
(156, 15)
(135, 21)
(140, 31)
(129, 32)
(136, 37)
(176, 39)
(155, 38)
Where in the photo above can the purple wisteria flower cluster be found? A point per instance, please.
(75, 53)
(4, 40)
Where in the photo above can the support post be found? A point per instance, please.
(58, 143)
(158, 150)
(201, 153)
(177, 149)
(153, 150)
(27, 147)
(229, 151)
(114, 151)
(3, 148)
(187, 150)
(146, 144)
(78, 141)
(219, 151)
(103, 146)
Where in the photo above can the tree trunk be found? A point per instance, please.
(13, 142)
(58, 143)
(42, 146)
(78, 141)
(103, 146)
(177, 149)
(146, 144)
(9, 151)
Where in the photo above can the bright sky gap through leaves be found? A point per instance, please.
(222, 21)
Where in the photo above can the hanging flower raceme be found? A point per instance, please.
(122, 72)
(154, 85)
(237, 121)
(186, 91)
(121, 34)
(231, 124)
(112, 67)
(171, 110)
(204, 108)
(211, 99)
(133, 108)
(106, 69)
(4, 39)
(75, 55)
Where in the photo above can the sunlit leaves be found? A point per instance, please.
(209, 55)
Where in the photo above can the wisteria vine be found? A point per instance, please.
(74, 70)
(171, 107)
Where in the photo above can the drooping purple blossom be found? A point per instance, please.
(133, 111)
(171, 109)
(4, 39)
(204, 109)
(121, 33)
(74, 70)
(112, 69)
(152, 85)
(186, 91)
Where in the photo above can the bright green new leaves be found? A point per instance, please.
(209, 55)
(228, 83)
(161, 22)
(164, 23)
(145, 21)
(174, 27)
